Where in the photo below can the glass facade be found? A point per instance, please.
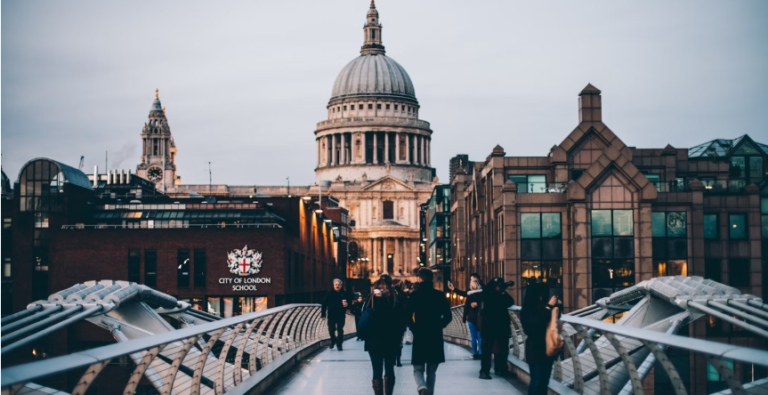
(670, 244)
(737, 226)
(542, 250)
(710, 226)
(613, 251)
(439, 226)
(529, 183)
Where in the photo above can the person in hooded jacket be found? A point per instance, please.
(471, 314)
(495, 327)
(535, 316)
(427, 313)
(384, 342)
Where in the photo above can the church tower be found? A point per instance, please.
(158, 155)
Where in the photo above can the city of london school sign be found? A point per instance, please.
(245, 263)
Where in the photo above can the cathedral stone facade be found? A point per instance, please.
(375, 152)
(373, 156)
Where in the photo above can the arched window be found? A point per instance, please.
(388, 211)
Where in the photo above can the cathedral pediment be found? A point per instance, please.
(389, 184)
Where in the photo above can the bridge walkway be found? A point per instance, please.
(348, 372)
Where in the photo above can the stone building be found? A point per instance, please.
(375, 151)
(595, 216)
(158, 150)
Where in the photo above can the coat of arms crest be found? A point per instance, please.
(244, 262)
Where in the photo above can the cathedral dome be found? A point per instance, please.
(373, 75)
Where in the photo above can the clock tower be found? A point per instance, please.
(158, 155)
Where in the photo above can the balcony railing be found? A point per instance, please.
(394, 121)
(542, 187)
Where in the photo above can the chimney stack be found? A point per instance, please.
(590, 106)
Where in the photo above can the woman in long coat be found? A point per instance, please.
(384, 341)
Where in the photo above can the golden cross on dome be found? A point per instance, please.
(157, 95)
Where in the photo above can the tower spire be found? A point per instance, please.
(372, 42)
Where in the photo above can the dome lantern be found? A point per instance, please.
(372, 29)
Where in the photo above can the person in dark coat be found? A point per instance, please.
(471, 315)
(384, 342)
(357, 311)
(335, 304)
(535, 316)
(427, 313)
(472, 277)
(495, 327)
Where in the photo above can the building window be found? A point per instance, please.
(737, 226)
(710, 226)
(6, 223)
(655, 179)
(575, 174)
(738, 272)
(370, 106)
(338, 109)
(712, 269)
(395, 107)
(535, 183)
(6, 267)
(764, 219)
(388, 209)
(409, 109)
(200, 268)
(150, 268)
(182, 269)
(345, 108)
(541, 249)
(41, 220)
(670, 244)
(359, 106)
(378, 106)
(613, 251)
(134, 266)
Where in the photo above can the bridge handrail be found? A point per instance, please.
(29, 372)
(715, 353)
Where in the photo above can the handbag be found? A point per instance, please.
(365, 325)
(553, 339)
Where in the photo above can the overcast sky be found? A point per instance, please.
(245, 83)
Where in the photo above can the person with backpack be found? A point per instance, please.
(383, 324)
(536, 316)
(427, 313)
(471, 315)
(495, 327)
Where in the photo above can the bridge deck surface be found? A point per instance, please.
(349, 372)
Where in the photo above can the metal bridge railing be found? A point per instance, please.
(605, 358)
(259, 340)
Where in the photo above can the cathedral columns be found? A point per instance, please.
(422, 144)
(343, 149)
(317, 141)
(375, 151)
(364, 148)
(385, 263)
(408, 148)
(398, 259)
(386, 147)
(429, 156)
(333, 149)
(376, 256)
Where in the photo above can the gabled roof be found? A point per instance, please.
(387, 180)
(718, 148)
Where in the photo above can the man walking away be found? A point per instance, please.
(427, 313)
(472, 277)
(335, 304)
(495, 329)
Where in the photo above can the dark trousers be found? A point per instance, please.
(540, 373)
(380, 362)
(336, 325)
(499, 357)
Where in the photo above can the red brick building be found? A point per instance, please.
(67, 229)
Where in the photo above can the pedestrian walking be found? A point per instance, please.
(383, 343)
(335, 304)
(427, 313)
(472, 277)
(357, 311)
(471, 316)
(495, 327)
(535, 316)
